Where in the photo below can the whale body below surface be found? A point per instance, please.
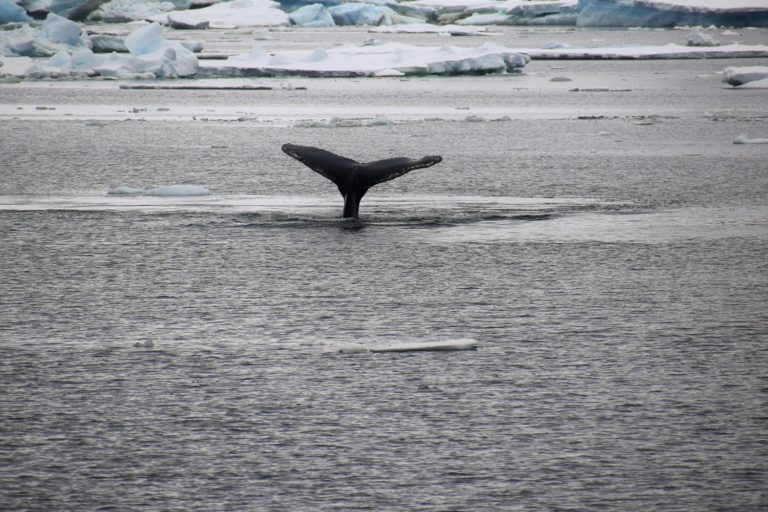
(354, 178)
(425, 346)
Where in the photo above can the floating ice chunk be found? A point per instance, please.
(743, 139)
(124, 190)
(236, 13)
(10, 12)
(741, 75)
(756, 84)
(668, 51)
(355, 13)
(383, 73)
(377, 60)
(699, 38)
(380, 120)
(165, 59)
(61, 30)
(426, 346)
(145, 40)
(671, 13)
(312, 15)
(179, 191)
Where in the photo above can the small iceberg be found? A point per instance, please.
(737, 76)
(181, 190)
(743, 139)
(425, 346)
(10, 12)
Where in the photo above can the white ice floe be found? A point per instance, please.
(417, 346)
(737, 76)
(370, 61)
(181, 190)
(428, 28)
(312, 15)
(235, 13)
(668, 51)
(743, 139)
(670, 13)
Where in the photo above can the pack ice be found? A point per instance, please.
(151, 55)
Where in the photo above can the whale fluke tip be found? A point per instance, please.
(354, 178)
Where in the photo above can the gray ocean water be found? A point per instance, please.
(607, 250)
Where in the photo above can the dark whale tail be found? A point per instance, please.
(355, 178)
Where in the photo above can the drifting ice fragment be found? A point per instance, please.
(179, 190)
(743, 139)
(182, 190)
(312, 15)
(741, 75)
(436, 346)
(699, 38)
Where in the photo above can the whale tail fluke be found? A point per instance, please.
(354, 178)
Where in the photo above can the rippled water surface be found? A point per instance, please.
(182, 353)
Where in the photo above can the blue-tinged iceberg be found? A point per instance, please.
(312, 15)
(672, 13)
(10, 12)
(151, 56)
